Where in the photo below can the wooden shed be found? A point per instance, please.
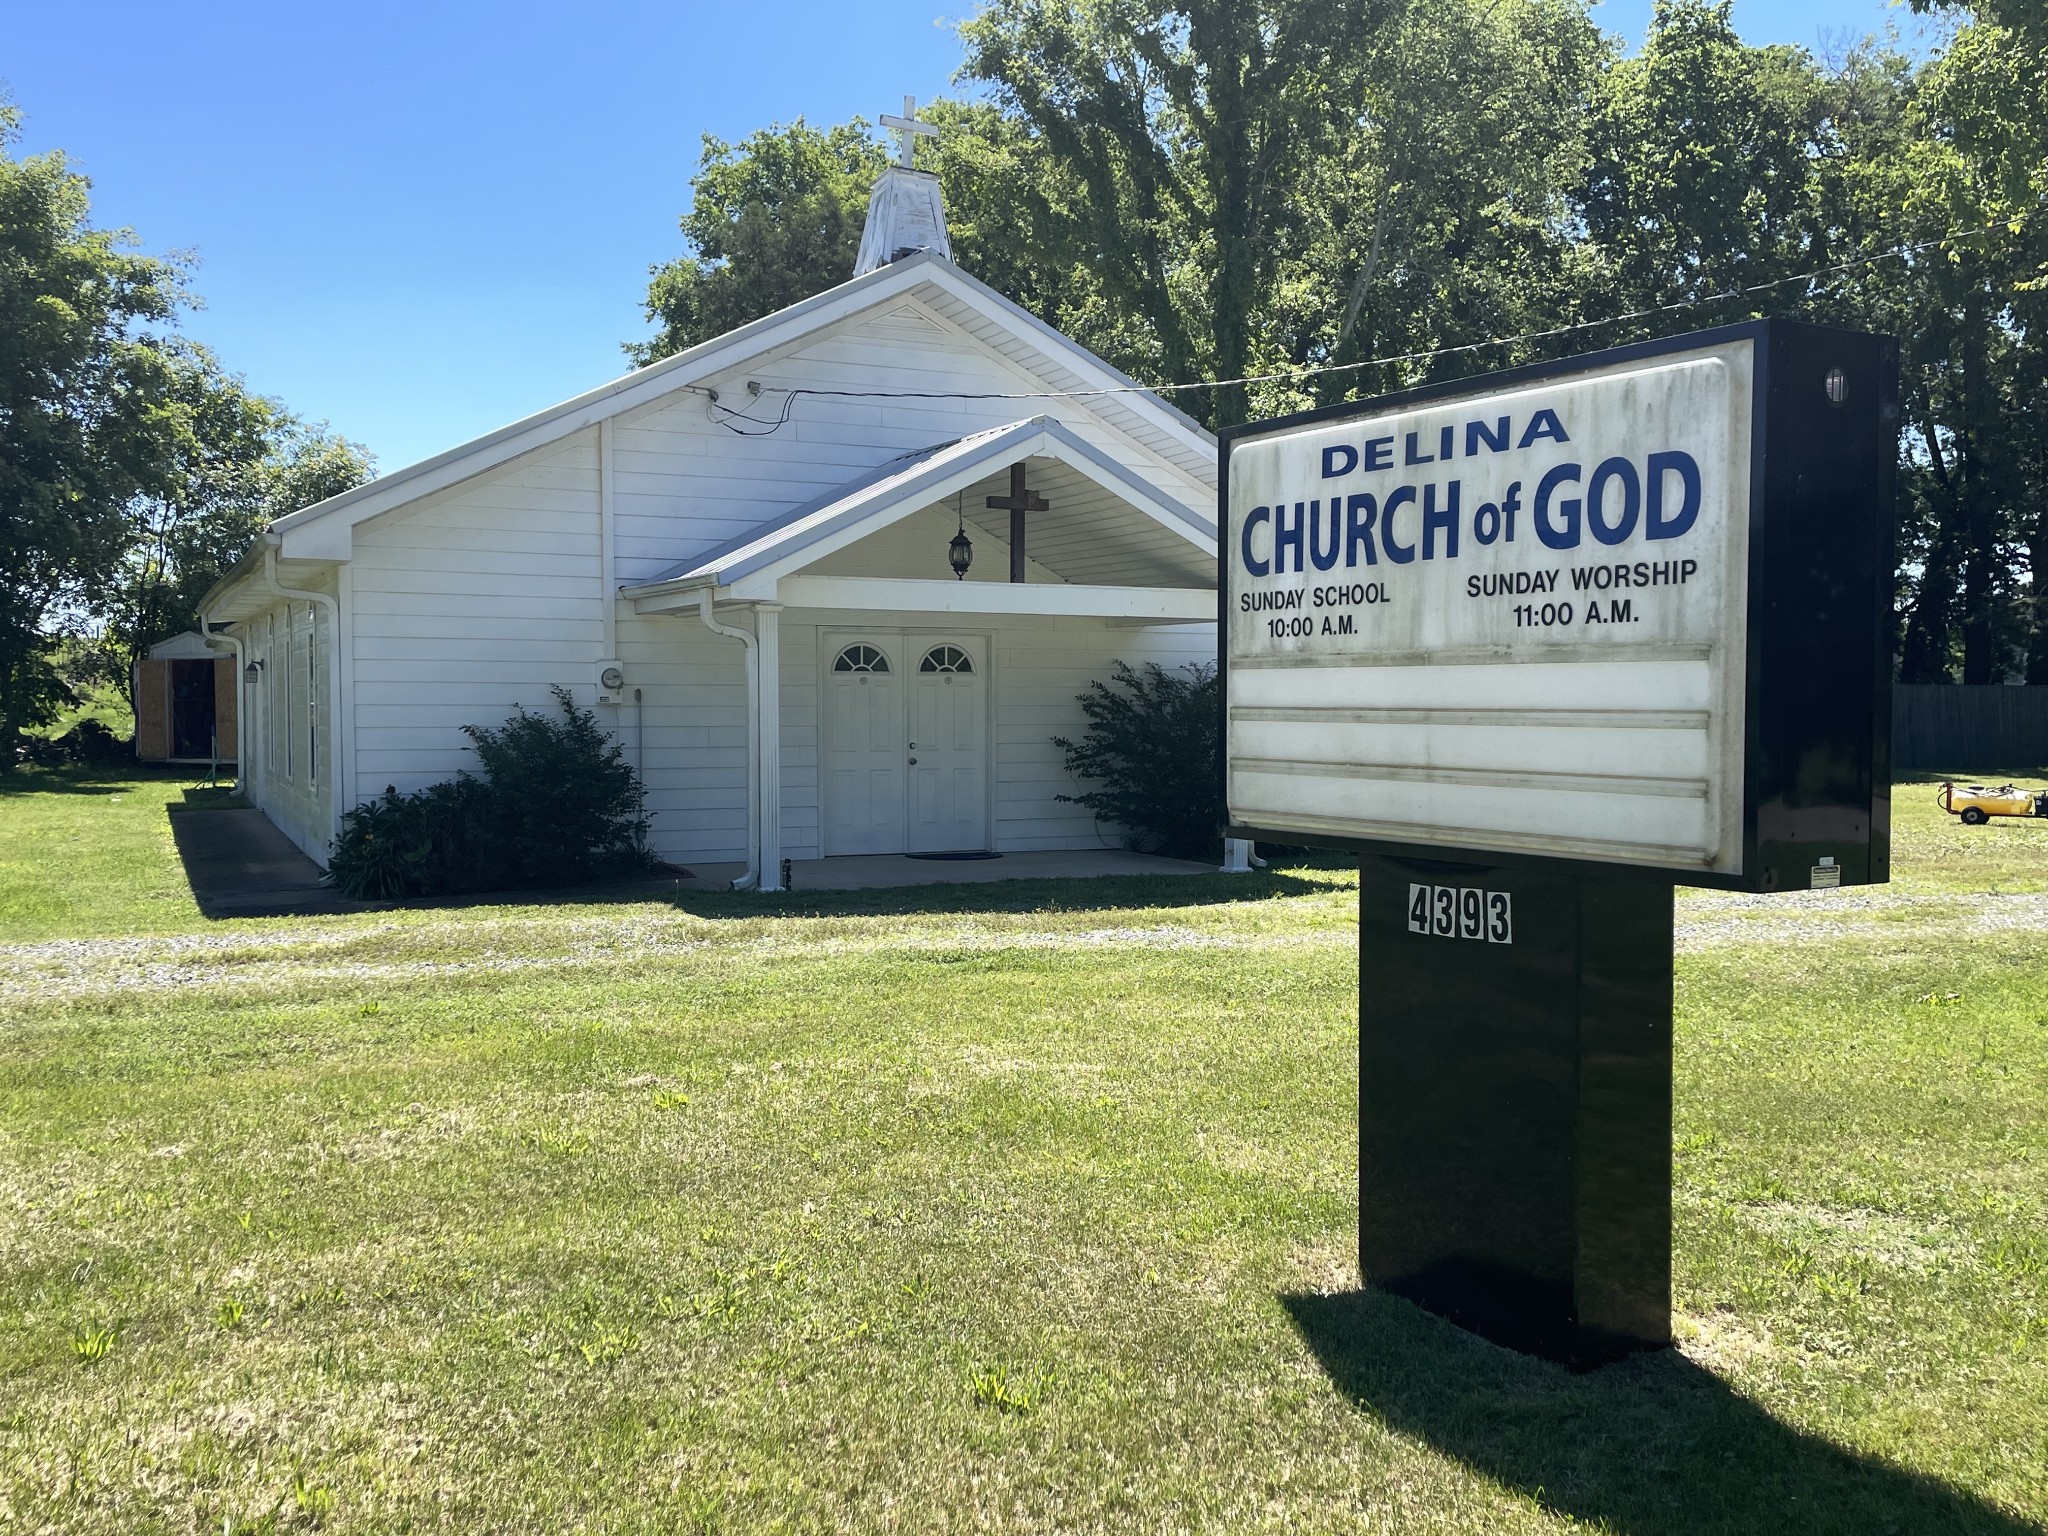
(185, 696)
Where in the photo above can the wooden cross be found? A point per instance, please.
(908, 131)
(1017, 503)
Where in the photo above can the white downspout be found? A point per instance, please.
(768, 751)
(337, 752)
(241, 698)
(752, 877)
(1240, 856)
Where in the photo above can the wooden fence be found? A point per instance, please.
(1973, 730)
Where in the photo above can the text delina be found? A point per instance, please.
(1426, 519)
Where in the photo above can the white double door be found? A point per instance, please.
(905, 742)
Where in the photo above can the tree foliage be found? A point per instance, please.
(775, 218)
(134, 469)
(1361, 195)
(1183, 126)
(80, 369)
(221, 464)
(1441, 214)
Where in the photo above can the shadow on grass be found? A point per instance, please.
(247, 869)
(105, 779)
(1099, 893)
(1096, 893)
(1653, 1446)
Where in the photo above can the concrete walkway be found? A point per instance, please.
(883, 871)
(242, 866)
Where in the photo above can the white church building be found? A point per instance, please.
(743, 557)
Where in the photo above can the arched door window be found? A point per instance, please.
(860, 658)
(946, 658)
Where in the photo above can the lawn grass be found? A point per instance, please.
(2008, 853)
(86, 852)
(1019, 1207)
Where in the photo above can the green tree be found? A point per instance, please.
(778, 217)
(1442, 214)
(1986, 164)
(1109, 185)
(1211, 189)
(82, 365)
(1958, 175)
(773, 219)
(220, 464)
(1183, 127)
(1715, 167)
(1012, 214)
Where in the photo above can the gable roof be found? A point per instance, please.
(189, 645)
(904, 484)
(1006, 327)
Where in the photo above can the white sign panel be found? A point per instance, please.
(1510, 621)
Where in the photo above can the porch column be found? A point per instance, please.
(768, 756)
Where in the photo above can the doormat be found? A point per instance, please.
(952, 857)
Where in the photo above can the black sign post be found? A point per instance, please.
(1540, 647)
(1514, 1100)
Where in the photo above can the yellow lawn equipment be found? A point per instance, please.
(1978, 803)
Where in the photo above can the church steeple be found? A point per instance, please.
(905, 212)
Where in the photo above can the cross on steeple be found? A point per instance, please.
(908, 131)
(1020, 500)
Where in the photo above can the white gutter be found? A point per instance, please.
(752, 877)
(338, 753)
(213, 643)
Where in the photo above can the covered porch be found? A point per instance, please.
(913, 641)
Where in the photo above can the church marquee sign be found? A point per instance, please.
(1616, 609)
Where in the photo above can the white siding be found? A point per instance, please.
(1041, 670)
(471, 602)
(477, 598)
(693, 725)
(686, 484)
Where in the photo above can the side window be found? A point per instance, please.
(312, 694)
(287, 679)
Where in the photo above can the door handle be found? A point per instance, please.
(913, 762)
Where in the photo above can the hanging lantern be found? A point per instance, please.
(960, 553)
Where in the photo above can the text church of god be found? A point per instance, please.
(740, 556)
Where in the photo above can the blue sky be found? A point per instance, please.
(419, 220)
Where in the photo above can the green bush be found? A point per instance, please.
(432, 842)
(556, 804)
(1152, 746)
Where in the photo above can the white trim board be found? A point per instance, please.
(874, 594)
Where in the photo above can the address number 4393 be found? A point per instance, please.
(1461, 912)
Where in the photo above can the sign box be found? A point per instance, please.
(1632, 608)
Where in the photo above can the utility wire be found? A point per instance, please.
(1319, 370)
